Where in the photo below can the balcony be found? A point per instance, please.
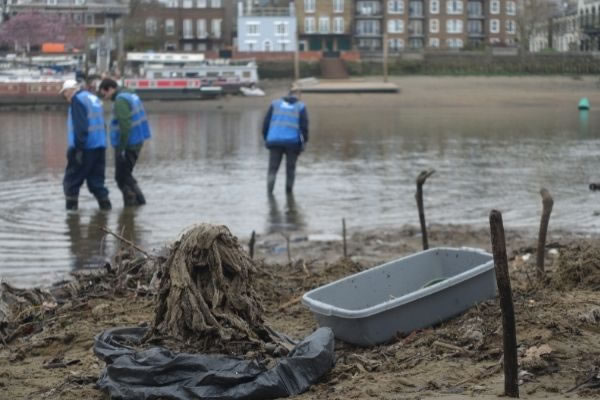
(475, 15)
(415, 34)
(475, 34)
(368, 34)
(416, 15)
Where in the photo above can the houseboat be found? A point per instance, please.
(172, 76)
(35, 80)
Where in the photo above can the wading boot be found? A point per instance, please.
(104, 204)
(72, 205)
(139, 196)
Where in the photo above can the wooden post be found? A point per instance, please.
(547, 203)
(385, 58)
(420, 182)
(511, 373)
(344, 236)
(297, 57)
(251, 244)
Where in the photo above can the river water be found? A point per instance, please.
(361, 164)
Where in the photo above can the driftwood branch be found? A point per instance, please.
(419, 196)
(547, 203)
(251, 244)
(126, 241)
(287, 243)
(511, 373)
(344, 237)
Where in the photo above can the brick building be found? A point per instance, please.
(443, 24)
(182, 25)
(325, 25)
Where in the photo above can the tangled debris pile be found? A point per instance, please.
(206, 295)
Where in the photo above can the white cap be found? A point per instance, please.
(69, 84)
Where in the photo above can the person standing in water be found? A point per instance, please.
(285, 131)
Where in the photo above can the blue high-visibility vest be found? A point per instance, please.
(284, 128)
(140, 129)
(96, 137)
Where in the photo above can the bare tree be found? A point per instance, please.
(531, 15)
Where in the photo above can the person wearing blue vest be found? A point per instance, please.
(128, 131)
(285, 131)
(86, 142)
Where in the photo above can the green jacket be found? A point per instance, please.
(122, 113)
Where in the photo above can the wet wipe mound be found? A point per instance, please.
(206, 295)
(160, 373)
(578, 267)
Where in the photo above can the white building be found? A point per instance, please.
(266, 29)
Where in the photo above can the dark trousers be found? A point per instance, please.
(275, 156)
(132, 194)
(90, 169)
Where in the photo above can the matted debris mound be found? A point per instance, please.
(206, 295)
(578, 267)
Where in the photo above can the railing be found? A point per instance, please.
(268, 12)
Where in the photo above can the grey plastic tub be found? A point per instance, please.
(410, 293)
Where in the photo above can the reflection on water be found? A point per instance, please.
(290, 219)
(361, 164)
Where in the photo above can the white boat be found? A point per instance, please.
(186, 76)
(252, 91)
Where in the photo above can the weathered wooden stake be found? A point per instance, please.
(547, 203)
(287, 243)
(420, 182)
(251, 244)
(511, 373)
(344, 236)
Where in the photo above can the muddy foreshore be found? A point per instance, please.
(558, 322)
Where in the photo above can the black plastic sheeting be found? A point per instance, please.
(159, 373)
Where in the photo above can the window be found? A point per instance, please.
(251, 45)
(309, 25)
(281, 28)
(395, 44)
(511, 8)
(187, 4)
(283, 44)
(368, 28)
(267, 45)
(89, 19)
(188, 47)
(434, 42)
(201, 31)
(395, 26)
(495, 7)
(77, 18)
(454, 43)
(338, 6)
(415, 27)
(475, 27)
(338, 25)
(200, 3)
(454, 26)
(396, 6)
(169, 47)
(188, 29)
(415, 9)
(150, 26)
(434, 25)
(253, 28)
(475, 8)
(511, 27)
(494, 26)
(172, 4)
(415, 43)
(51, 2)
(216, 4)
(170, 26)
(368, 8)
(309, 6)
(77, 2)
(324, 25)
(216, 27)
(201, 46)
(434, 6)
(454, 7)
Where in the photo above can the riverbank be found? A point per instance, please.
(418, 92)
(557, 323)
